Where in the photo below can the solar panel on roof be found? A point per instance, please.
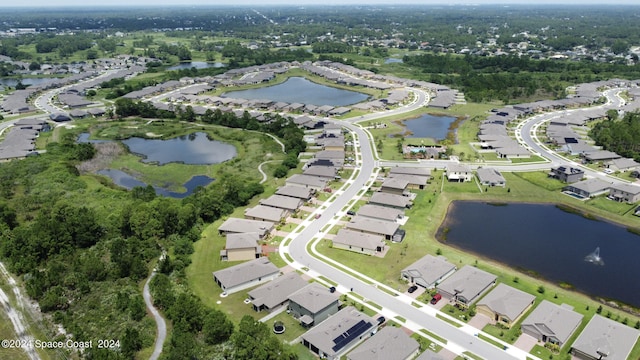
(346, 337)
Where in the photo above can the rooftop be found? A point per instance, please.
(388, 343)
(245, 272)
(314, 297)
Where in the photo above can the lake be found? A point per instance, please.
(429, 126)
(301, 90)
(127, 181)
(196, 64)
(551, 242)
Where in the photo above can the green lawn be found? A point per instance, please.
(293, 329)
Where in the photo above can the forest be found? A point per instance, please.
(621, 136)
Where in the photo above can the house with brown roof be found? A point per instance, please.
(246, 275)
(275, 294)
(505, 305)
(241, 246)
(466, 285)
(359, 242)
(313, 303)
(551, 323)
(396, 186)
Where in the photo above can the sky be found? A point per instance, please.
(156, 3)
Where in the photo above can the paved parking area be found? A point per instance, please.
(479, 321)
(525, 342)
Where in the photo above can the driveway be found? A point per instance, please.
(479, 321)
(526, 342)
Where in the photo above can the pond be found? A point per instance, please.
(301, 90)
(552, 243)
(392, 61)
(192, 149)
(127, 181)
(429, 126)
(196, 64)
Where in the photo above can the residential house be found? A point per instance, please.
(428, 272)
(265, 213)
(623, 164)
(429, 355)
(282, 202)
(589, 188)
(359, 242)
(307, 181)
(551, 323)
(389, 343)
(395, 186)
(327, 172)
(390, 200)
(466, 285)
(490, 177)
(235, 225)
(602, 155)
(381, 212)
(332, 338)
(246, 275)
(459, 173)
(333, 144)
(299, 192)
(505, 305)
(567, 174)
(331, 129)
(313, 303)
(414, 181)
(241, 246)
(624, 192)
(406, 170)
(275, 294)
(604, 338)
(511, 152)
(388, 229)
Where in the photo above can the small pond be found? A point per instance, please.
(429, 126)
(192, 149)
(127, 181)
(552, 243)
(196, 64)
(392, 60)
(301, 90)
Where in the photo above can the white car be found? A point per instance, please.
(608, 171)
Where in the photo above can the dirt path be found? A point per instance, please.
(15, 315)
(161, 325)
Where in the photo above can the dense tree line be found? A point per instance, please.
(620, 136)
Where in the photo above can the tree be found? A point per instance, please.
(612, 114)
(280, 171)
(217, 328)
(137, 308)
(33, 66)
(254, 341)
(131, 342)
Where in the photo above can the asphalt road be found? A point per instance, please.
(161, 325)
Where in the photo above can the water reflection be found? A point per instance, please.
(127, 181)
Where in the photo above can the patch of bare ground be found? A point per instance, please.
(105, 154)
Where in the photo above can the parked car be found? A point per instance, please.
(412, 289)
(318, 216)
(332, 289)
(381, 320)
(351, 212)
(436, 298)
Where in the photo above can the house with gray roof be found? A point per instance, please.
(623, 164)
(313, 303)
(307, 181)
(567, 173)
(397, 186)
(551, 323)
(490, 177)
(388, 229)
(428, 272)
(235, 225)
(246, 275)
(390, 200)
(604, 338)
(275, 294)
(429, 355)
(335, 336)
(466, 285)
(505, 305)
(265, 213)
(241, 246)
(589, 188)
(381, 212)
(296, 192)
(624, 192)
(389, 343)
(515, 151)
(601, 155)
(459, 173)
(359, 242)
(414, 181)
(327, 172)
(282, 202)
